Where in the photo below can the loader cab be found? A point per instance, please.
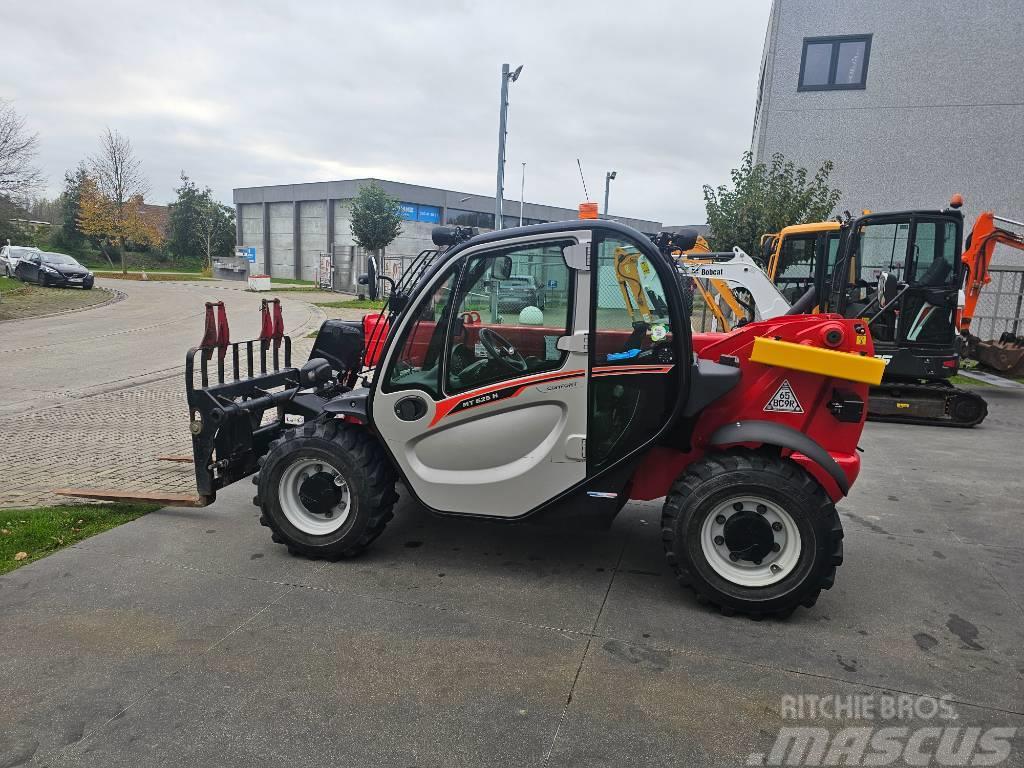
(556, 400)
(915, 330)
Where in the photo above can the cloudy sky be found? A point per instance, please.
(269, 92)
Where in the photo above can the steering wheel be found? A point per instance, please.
(501, 349)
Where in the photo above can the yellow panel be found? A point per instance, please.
(827, 362)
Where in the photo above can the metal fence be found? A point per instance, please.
(1000, 304)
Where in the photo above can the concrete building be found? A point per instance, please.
(911, 100)
(292, 226)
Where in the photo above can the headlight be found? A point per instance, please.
(89, 274)
(49, 269)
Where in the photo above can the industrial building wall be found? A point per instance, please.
(312, 235)
(282, 243)
(940, 113)
(346, 259)
(251, 217)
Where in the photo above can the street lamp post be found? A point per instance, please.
(506, 77)
(607, 185)
(522, 191)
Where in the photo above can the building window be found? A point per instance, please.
(835, 63)
(428, 213)
(462, 218)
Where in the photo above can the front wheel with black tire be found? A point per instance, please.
(325, 490)
(751, 532)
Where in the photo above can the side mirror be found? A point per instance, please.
(370, 278)
(888, 288)
(502, 268)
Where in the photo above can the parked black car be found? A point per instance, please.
(45, 268)
(518, 291)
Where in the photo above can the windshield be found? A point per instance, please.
(21, 252)
(59, 258)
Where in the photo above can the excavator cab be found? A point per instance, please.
(914, 331)
(802, 256)
(914, 327)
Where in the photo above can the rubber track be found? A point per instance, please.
(942, 391)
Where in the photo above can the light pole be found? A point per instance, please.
(522, 190)
(607, 185)
(506, 76)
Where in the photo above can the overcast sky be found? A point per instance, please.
(257, 92)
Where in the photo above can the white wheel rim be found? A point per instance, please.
(775, 566)
(296, 512)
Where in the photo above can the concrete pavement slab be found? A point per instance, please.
(897, 616)
(225, 538)
(87, 633)
(648, 705)
(321, 678)
(524, 573)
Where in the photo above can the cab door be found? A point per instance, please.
(638, 340)
(482, 396)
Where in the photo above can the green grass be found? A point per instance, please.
(9, 284)
(966, 381)
(353, 304)
(151, 276)
(290, 281)
(39, 532)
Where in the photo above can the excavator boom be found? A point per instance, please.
(1005, 354)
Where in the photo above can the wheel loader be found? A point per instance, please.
(562, 414)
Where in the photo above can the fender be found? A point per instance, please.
(773, 433)
(352, 404)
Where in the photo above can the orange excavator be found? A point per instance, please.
(1006, 354)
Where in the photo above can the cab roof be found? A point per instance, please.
(814, 226)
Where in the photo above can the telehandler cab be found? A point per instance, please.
(567, 412)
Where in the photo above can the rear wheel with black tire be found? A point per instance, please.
(751, 532)
(326, 490)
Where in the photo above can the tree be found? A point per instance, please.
(111, 223)
(199, 225)
(376, 218)
(70, 205)
(766, 198)
(19, 176)
(111, 201)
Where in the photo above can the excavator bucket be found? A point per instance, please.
(1005, 355)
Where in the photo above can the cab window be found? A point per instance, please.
(882, 248)
(631, 311)
(511, 308)
(933, 258)
(631, 331)
(796, 266)
(417, 363)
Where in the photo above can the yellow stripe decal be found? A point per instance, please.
(826, 362)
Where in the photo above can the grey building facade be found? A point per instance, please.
(292, 226)
(912, 100)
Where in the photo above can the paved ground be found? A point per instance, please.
(83, 392)
(186, 638)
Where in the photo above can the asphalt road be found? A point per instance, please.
(53, 360)
(187, 638)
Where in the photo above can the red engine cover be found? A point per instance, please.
(770, 393)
